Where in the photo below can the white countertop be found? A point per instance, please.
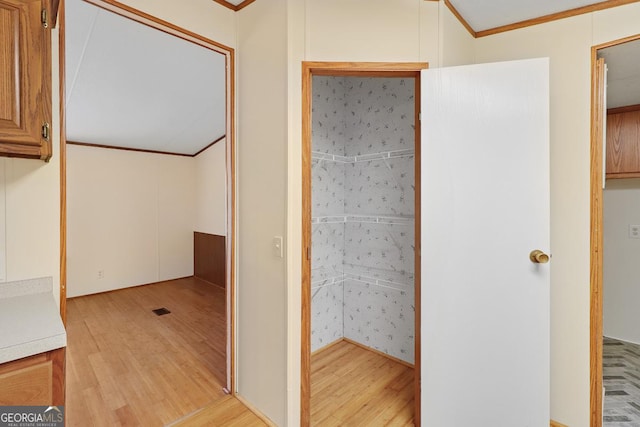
(30, 320)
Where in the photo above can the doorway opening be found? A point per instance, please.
(220, 368)
(608, 160)
(361, 229)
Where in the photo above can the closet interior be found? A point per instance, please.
(363, 220)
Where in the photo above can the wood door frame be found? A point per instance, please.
(341, 69)
(230, 160)
(596, 234)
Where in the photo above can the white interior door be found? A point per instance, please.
(485, 207)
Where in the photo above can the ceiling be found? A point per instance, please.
(482, 15)
(129, 85)
(623, 76)
(132, 86)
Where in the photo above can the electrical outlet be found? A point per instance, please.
(100, 274)
(634, 231)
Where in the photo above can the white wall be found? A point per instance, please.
(621, 254)
(211, 190)
(130, 215)
(32, 205)
(262, 178)
(568, 43)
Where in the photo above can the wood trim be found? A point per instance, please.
(327, 347)
(356, 343)
(142, 150)
(381, 353)
(623, 175)
(463, 21)
(257, 413)
(554, 16)
(227, 5)
(616, 42)
(232, 6)
(556, 424)
(209, 145)
(366, 69)
(230, 148)
(139, 150)
(305, 357)
(597, 104)
(362, 69)
(417, 416)
(626, 109)
(349, 73)
(63, 163)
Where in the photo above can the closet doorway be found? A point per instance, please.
(614, 162)
(361, 242)
(175, 335)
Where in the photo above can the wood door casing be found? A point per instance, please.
(230, 156)
(362, 69)
(596, 223)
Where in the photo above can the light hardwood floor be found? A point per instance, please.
(127, 366)
(351, 386)
(228, 411)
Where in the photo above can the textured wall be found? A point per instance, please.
(363, 213)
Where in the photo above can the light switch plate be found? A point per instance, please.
(634, 231)
(278, 249)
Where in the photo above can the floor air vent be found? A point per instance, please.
(161, 311)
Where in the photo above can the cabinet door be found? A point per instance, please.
(623, 145)
(30, 385)
(25, 80)
(34, 380)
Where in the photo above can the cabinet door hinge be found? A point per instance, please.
(45, 131)
(44, 18)
(308, 252)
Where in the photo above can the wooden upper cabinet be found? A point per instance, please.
(623, 144)
(25, 79)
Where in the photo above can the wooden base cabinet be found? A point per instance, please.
(34, 380)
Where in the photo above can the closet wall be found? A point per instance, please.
(363, 186)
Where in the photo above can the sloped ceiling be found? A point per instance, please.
(132, 86)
